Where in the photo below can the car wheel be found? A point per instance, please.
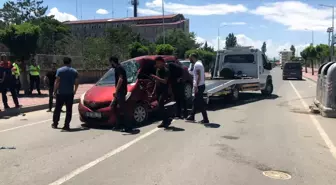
(283, 78)
(268, 89)
(188, 91)
(140, 114)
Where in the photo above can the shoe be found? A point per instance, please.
(190, 119)
(48, 110)
(204, 122)
(66, 128)
(6, 107)
(54, 126)
(18, 106)
(161, 125)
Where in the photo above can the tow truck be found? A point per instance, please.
(236, 70)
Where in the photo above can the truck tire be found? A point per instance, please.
(268, 89)
(234, 94)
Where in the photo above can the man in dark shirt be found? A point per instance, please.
(118, 103)
(161, 88)
(66, 85)
(8, 82)
(49, 80)
(178, 84)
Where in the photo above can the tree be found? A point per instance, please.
(136, 49)
(21, 11)
(292, 49)
(231, 41)
(312, 55)
(304, 55)
(180, 40)
(208, 48)
(96, 53)
(322, 52)
(22, 42)
(263, 47)
(164, 49)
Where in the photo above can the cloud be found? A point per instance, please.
(102, 11)
(273, 49)
(61, 16)
(143, 11)
(209, 9)
(233, 23)
(296, 15)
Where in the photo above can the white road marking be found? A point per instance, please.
(318, 126)
(30, 124)
(102, 158)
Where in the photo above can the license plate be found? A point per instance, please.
(293, 73)
(93, 114)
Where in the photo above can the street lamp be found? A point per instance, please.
(221, 25)
(163, 22)
(332, 33)
(312, 36)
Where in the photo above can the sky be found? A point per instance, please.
(278, 23)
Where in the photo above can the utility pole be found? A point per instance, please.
(163, 24)
(135, 4)
(333, 28)
(112, 11)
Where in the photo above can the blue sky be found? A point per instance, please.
(279, 23)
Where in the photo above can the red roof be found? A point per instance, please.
(173, 23)
(120, 19)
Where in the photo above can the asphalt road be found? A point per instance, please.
(243, 141)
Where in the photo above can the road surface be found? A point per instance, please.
(243, 141)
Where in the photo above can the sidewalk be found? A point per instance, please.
(35, 102)
(309, 75)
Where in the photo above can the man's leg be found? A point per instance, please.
(183, 100)
(57, 111)
(121, 111)
(31, 80)
(165, 120)
(177, 100)
(68, 104)
(18, 85)
(51, 97)
(4, 97)
(38, 81)
(201, 103)
(14, 95)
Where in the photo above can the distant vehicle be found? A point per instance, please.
(292, 70)
(94, 107)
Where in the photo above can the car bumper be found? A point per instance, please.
(293, 76)
(107, 115)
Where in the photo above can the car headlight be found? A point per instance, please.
(82, 98)
(128, 95)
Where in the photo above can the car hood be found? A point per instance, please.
(103, 93)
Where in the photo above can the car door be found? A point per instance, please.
(263, 71)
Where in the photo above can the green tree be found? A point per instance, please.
(180, 40)
(96, 54)
(208, 48)
(151, 48)
(264, 47)
(17, 12)
(231, 41)
(292, 49)
(322, 52)
(207, 57)
(304, 55)
(136, 49)
(22, 42)
(312, 55)
(164, 49)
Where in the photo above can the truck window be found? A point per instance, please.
(238, 59)
(293, 66)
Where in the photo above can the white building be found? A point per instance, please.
(285, 56)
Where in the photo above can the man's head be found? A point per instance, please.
(193, 57)
(53, 66)
(160, 62)
(67, 61)
(114, 61)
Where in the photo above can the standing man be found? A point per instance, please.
(161, 88)
(16, 74)
(65, 88)
(178, 84)
(34, 72)
(50, 79)
(8, 82)
(199, 87)
(118, 103)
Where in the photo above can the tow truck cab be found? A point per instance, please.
(240, 69)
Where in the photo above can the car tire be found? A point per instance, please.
(268, 89)
(284, 78)
(140, 114)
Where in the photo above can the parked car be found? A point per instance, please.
(94, 106)
(187, 65)
(292, 70)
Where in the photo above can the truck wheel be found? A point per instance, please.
(235, 94)
(140, 114)
(268, 89)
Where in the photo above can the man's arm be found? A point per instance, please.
(120, 81)
(56, 85)
(3, 77)
(76, 83)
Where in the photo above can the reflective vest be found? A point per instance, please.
(16, 71)
(34, 70)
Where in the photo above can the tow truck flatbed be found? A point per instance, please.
(213, 87)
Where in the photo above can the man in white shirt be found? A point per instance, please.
(199, 87)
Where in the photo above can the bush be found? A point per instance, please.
(136, 49)
(164, 49)
(207, 57)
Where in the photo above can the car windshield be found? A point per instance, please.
(185, 63)
(243, 58)
(293, 66)
(131, 67)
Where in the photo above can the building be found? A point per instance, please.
(149, 27)
(285, 56)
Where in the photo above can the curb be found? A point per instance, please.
(310, 79)
(16, 112)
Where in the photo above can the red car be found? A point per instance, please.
(94, 106)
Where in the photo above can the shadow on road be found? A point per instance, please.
(211, 125)
(245, 98)
(174, 129)
(79, 129)
(295, 79)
